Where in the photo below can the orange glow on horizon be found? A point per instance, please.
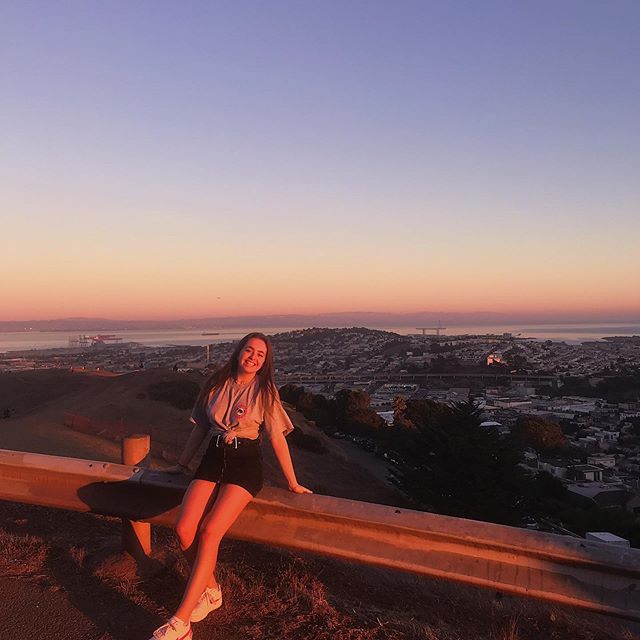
(285, 278)
(132, 311)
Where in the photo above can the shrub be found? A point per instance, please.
(306, 441)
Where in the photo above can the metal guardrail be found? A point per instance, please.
(570, 571)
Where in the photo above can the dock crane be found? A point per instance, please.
(436, 329)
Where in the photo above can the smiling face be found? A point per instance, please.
(252, 356)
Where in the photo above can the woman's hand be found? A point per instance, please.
(298, 488)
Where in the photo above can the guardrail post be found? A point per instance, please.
(136, 536)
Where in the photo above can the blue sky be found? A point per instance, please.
(483, 154)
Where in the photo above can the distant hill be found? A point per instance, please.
(341, 319)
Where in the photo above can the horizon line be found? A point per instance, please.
(556, 317)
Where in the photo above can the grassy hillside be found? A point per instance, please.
(124, 404)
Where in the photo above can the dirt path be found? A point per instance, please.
(41, 610)
(368, 461)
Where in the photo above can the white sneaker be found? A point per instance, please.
(209, 601)
(175, 629)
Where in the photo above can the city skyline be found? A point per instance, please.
(231, 160)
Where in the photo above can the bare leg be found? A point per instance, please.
(197, 501)
(230, 502)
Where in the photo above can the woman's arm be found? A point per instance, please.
(281, 449)
(197, 435)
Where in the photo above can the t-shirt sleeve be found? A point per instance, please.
(199, 416)
(275, 417)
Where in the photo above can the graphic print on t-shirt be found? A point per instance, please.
(239, 411)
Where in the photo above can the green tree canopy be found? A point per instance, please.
(353, 411)
(459, 468)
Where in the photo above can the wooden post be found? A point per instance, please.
(136, 536)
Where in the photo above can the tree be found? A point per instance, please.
(424, 411)
(548, 495)
(324, 411)
(445, 364)
(459, 468)
(354, 413)
(399, 406)
(541, 434)
(515, 358)
(290, 393)
(304, 404)
(613, 519)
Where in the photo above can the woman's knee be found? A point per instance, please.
(210, 533)
(186, 532)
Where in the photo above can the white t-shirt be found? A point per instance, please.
(242, 408)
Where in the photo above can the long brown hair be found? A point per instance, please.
(266, 382)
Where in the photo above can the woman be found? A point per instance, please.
(233, 403)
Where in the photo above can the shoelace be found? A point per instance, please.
(212, 595)
(164, 630)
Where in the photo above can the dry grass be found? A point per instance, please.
(269, 593)
(78, 555)
(510, 631)
(21, 555)
(277, 594)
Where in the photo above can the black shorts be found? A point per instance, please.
(231, 464)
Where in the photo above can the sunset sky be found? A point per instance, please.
(186, 159)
